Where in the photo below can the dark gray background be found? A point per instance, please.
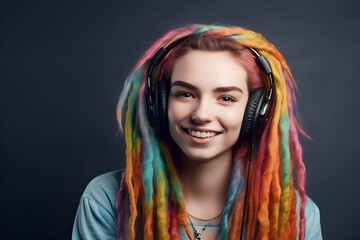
(62, 68)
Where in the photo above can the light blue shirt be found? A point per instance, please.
(96, 217)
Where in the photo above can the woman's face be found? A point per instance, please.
(214, 86)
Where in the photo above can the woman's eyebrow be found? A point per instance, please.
(184, 85)
(228, 89)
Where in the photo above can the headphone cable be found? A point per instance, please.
(247, 187)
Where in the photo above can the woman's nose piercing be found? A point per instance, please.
(193, 116)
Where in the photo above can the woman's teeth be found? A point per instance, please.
(200, 134)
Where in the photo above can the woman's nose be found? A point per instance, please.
(202, 113)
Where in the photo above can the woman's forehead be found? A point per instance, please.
(204, 67)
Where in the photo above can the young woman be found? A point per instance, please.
(212, 146)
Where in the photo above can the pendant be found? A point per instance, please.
(198, 235)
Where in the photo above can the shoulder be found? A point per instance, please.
(106, 184)
(312, 215)
(313, 226)
(96, 217)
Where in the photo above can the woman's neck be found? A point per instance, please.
(205, 185)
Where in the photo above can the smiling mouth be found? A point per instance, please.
(200, 134)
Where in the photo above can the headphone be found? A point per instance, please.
(256, 112)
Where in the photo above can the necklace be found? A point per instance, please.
(199, 233)
(203, 219)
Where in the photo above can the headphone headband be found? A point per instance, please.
(156, 60)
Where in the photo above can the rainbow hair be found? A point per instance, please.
(150, 194)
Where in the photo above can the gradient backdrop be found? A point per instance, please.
(62, 68)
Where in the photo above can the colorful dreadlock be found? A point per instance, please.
(152, 189)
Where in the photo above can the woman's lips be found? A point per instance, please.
(199, 133)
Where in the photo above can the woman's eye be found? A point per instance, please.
(183, 95)
(227, 99)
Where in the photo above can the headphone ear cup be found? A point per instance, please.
(161, 99)
(250, 124)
